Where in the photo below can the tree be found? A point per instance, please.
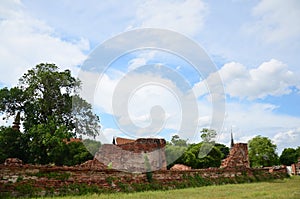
(11, 144)
(176, 141)
(175, 149)
(208, 135)
(262, 152)
(298, 151)
(224, 150)
(194, 159)
(288, 156)
(50, 108)
(73, 153)
(92, 146)
(173, 153)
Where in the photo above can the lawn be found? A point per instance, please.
(287, 188)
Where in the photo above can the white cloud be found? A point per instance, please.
(248, 120)
(26, 41)
(141, 59)
(187, 17)
(137, 62)
(272, 78)
(276, 20)
(290, 138)
(142, 99)
(107, 134)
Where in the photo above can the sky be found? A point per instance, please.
(254, 46)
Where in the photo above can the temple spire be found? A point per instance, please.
(232, 142)
(16, 123)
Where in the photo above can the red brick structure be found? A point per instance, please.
(120, 141)
(296, 168)
(13, 162)
(134, 156)
(180, 167)
(238, 157)
(16, 123)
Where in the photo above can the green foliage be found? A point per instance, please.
(262, 152)
(54, 175)
(51, 111)
(208, 135)
(73, 153)
(26, 190)
(148, 169)
(173, 153)
(198, 157)
(45, 142)
(176, 141)
(201, 155)
(289, 156)
(110, 180)
(11, 144)
(92, 146)
(224, 150)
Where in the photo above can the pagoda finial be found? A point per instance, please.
(232, 142)
(16, 123)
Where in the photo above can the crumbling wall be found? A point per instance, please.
(53, 179)
(238, 157)
(296, 168)
(142, 155)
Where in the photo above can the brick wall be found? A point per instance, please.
(55, 178)
(133, 156)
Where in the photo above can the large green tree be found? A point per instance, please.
(262, 152)
(50, 110)
(289, 156)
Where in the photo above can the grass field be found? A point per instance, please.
(287, 188)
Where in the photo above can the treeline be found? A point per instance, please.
(290, 156)
(46, 102)
(262, 152)
(15, 144)
(200, 155)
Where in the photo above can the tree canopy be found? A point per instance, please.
(200, 155)
(177, 141)
(208, 135)
(51, 111)
(262, 152)
(289, 156)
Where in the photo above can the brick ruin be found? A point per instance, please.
(296, 168)
(180, 167)
(128, 167)
(141, 155)
(238, 157)
(130, 155)
(53, 179)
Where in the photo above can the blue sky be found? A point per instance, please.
(255, 46)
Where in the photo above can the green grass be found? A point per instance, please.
(287, 188)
